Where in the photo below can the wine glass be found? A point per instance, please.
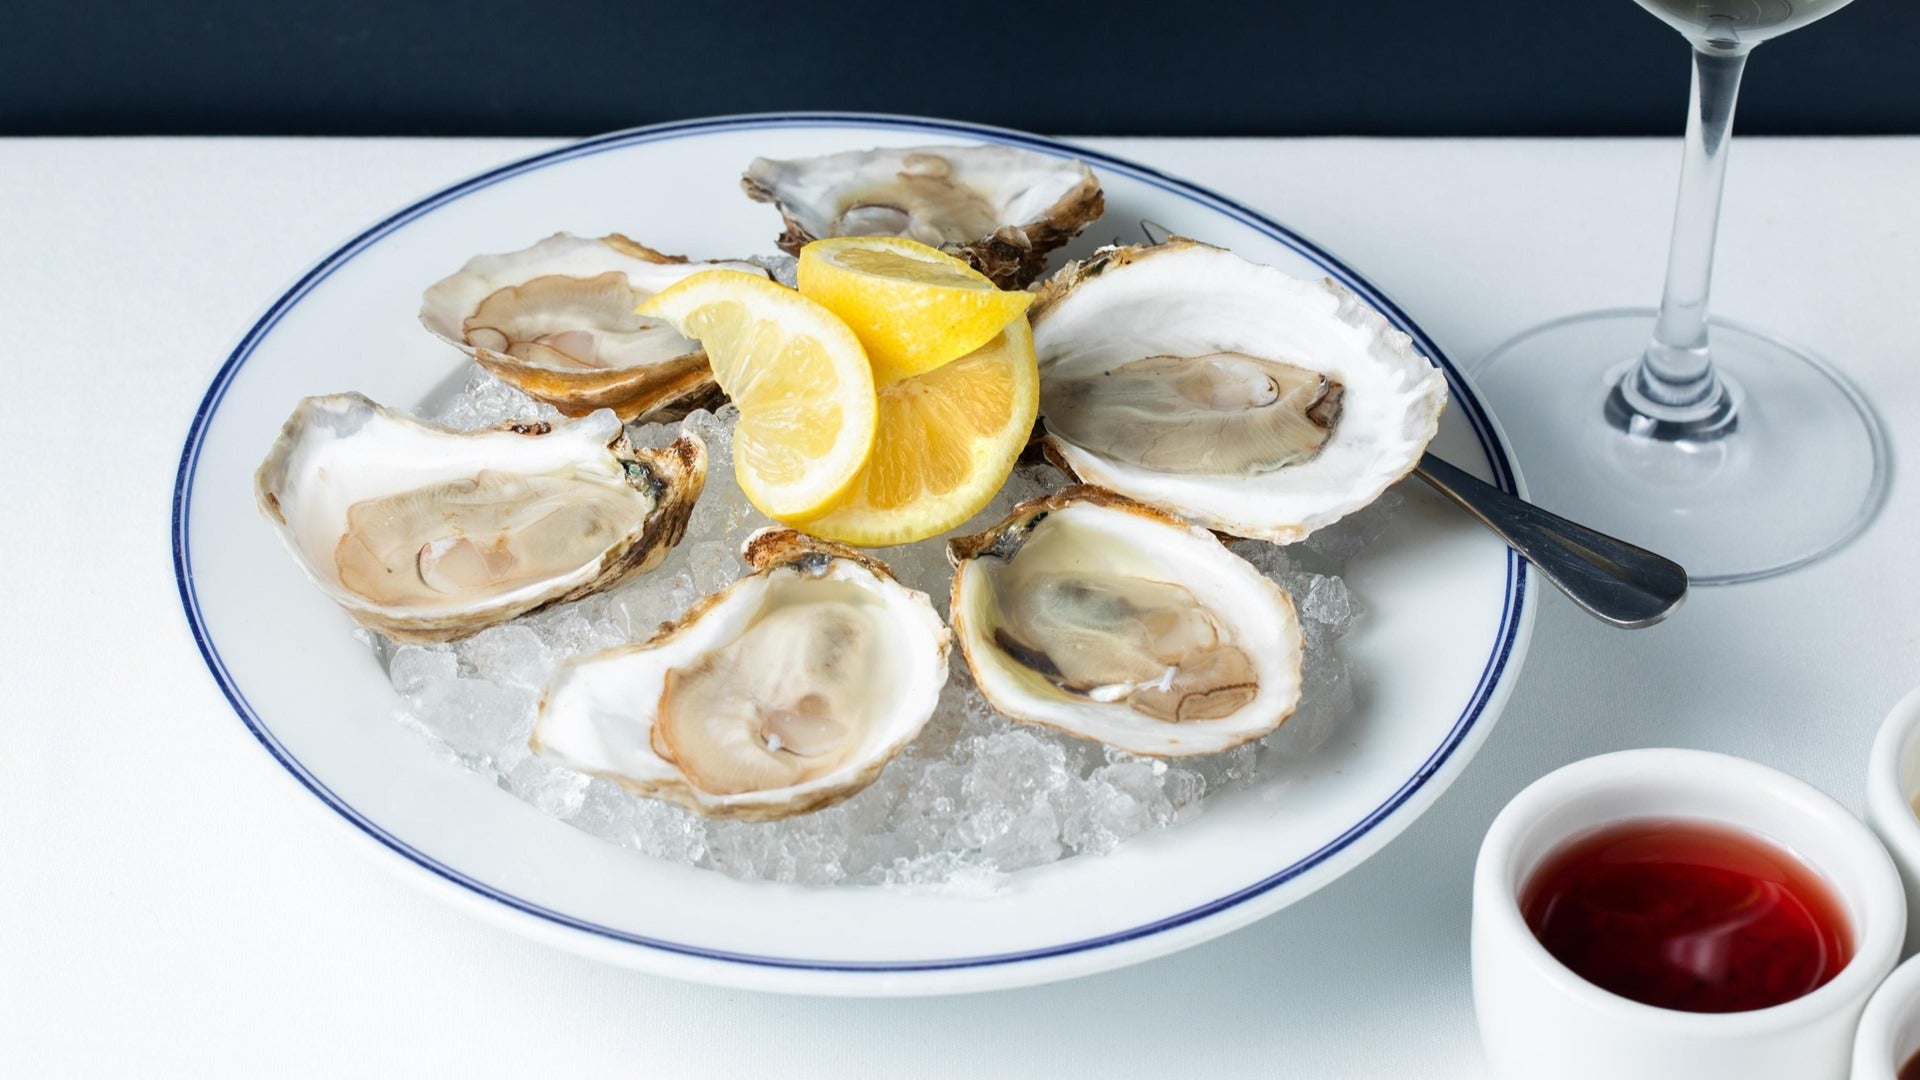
(1727, 449)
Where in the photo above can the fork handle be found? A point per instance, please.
(1617, 582)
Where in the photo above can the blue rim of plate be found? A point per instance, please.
(1510, 621)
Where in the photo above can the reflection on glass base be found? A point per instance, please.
(1715, 418)
(1798, 472)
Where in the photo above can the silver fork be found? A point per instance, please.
(1618, 583)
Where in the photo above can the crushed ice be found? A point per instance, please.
(974, 798)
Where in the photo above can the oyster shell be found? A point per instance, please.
(427, 534)
(1254, 402)
(786, 692)
(1109, 620)
(1000, 208)
(557, 321)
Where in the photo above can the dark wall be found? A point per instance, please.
(1387, 67)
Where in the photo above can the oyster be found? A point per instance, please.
(1109, 620)
(1254, 402)
(427, 534)
(786, 692)
(556, 320)
(1000, 208)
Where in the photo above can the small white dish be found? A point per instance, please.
(1893, 777)
(1539, 1019)
(1889, 1032)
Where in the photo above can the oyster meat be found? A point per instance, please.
(786, 692)
(1109, 620)
(1000, 208)
(1254, 402)
(557, 321)
(427, 534)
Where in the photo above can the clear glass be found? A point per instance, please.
(1720, 446)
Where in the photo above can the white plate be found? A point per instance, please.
(1449, 612)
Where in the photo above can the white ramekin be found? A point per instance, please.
(1538, 1019)
(1893, 777)
(1890, 1028)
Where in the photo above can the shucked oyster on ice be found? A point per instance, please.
(1109, 620)
(557, 321)
(786, 692)
(1254, 402)
(427, 534)
(1000, 208)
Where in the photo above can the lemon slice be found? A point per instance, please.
(947, 441)
(914, 307)
(797, 374)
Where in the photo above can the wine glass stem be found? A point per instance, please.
(1672, 393)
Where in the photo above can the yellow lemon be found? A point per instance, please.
(799, 377)
(914, 307)
(947, 441)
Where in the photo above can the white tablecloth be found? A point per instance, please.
(171, 905)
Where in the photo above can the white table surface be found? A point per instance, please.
(170, 904)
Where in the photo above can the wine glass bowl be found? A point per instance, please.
(1745, 22)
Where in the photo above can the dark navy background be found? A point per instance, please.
(1276, 67)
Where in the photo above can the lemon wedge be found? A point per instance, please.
(913, 307)
(799, 377)
(947, 441)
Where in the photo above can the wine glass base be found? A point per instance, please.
(1799, 471)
